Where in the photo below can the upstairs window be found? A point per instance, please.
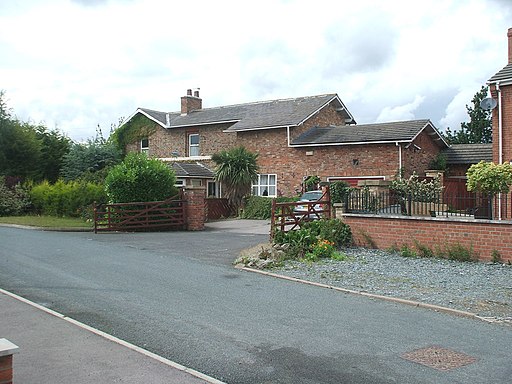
(144, 145)
(193, 144)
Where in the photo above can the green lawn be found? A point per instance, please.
(46, 221)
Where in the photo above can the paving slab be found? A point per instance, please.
(56, 349)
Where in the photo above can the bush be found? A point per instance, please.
(260, 207)
(140, 179)
(66, 199)
(315, 238)
(339, 191)
(13, 201)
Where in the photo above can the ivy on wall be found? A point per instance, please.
(134, 130)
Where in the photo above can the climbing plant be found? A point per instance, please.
(137, 128)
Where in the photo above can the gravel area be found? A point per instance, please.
(484, 289)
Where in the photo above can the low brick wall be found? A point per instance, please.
(484, 236)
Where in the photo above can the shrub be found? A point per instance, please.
(140, 179)
(339, 191)
(260, 207)
(315, 238)
(13, 200)
(66, 199)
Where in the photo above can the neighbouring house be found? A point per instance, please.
(501, 90)
(294, 138)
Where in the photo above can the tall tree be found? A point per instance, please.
(236, 169)
(29, 151)
(479, 127)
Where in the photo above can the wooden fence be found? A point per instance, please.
(140, 216)
(292, 215)
(218, 208)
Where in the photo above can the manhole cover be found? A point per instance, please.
(439, 358)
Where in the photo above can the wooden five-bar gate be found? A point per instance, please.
(140, 216)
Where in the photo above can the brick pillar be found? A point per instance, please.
(195, 208)
(7, 349)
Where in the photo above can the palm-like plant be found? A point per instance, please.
(236, 169)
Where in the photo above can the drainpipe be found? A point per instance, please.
(399, 160)
(500, 139)
(288, 135)
(500, 125)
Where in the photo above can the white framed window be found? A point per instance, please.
(213, 189)
(144, 145)
(193, 144)
(180, 183)
(265, 186)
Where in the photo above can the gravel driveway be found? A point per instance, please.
(484, 289)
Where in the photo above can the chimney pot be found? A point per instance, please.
(189, 92)
(196, 93)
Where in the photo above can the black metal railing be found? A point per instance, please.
(467, 205)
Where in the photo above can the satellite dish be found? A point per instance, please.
(488, 103)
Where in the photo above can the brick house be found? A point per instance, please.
(294, 138)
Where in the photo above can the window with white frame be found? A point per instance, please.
(144, 145)
(265, 186)
(193, 144)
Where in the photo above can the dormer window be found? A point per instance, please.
(144, 145)
(193, 144)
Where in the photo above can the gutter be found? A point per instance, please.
(351, 143)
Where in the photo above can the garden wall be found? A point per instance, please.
(485, 237)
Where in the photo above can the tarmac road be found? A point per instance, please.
(176, 294)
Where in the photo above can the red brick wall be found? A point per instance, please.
(506, 107)
(483, 237)
(418, 160)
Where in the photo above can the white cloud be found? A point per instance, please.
(76, 64)
(401, 112)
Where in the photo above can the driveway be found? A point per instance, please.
(177, 294)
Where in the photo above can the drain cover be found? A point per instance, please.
(439, 358)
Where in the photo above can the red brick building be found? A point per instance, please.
(294, 138)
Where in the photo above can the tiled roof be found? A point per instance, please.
(468, 153)
(251, 116)
(192, 170)
(403, 131)
(504, 74)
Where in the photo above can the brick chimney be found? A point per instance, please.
(509, 35)
(191, 103)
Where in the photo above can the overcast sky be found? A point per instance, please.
(74, 64)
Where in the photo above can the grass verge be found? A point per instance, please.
(46, 221)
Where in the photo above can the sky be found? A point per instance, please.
(75, 64)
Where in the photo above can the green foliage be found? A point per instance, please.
(406, 251)
(140, 179)
(458, 252)
(496, 256)
(339, 191)
(423, 250)
(54, 146)
(134, 130)
(490, 178)
(236, 169)
(13, 201)
(322, 249)
(84, 160)
(439, 163)
(311, 183)
(312, 238)
(66, 198)
(260, 207)
(417, 190)
(29, 151)
(479, 128)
